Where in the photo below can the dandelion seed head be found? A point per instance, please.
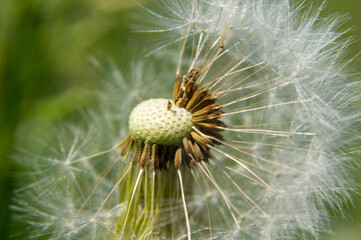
(256, 140)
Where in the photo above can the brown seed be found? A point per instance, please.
(176, 87)
(155, 157)
(209, 125)
(128, 142)
(191, 76)
(206, 101)
(137, 153)
(198, 152)
(206, 110)
(195, 98)
(178, 158)
(186, 146)
(178, 97)
(199, 119)
(144, 159)
(200, 139)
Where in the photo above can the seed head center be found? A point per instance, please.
(159, 121)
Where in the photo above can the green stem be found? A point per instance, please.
(156, 207)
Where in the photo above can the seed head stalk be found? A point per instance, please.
(153, 205)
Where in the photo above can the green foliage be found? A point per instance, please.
(44, 52)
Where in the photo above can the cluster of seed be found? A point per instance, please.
(165, 132)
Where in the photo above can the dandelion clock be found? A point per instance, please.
(241, 122)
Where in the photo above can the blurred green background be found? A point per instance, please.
(45, 48)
